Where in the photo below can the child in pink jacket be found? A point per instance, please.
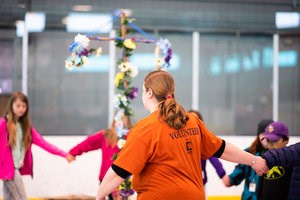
(16, 138)
(106, 140)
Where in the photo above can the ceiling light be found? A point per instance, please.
(20, 25)
(287, 20)
(85, 23)
(82, 8)
(35, 21)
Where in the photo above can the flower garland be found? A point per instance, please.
(80, 52)
(163, 53)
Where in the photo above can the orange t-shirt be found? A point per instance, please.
(165, 162)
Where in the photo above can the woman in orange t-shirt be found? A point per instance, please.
(163, 150)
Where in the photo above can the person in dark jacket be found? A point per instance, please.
(287, 156)
(252, 184)
(276, 183)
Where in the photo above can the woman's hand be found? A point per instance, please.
(260, 166)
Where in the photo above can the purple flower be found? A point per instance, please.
(133, 93)
(126, 192)
(168, 57)
(84, 52)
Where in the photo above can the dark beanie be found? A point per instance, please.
(262, 125)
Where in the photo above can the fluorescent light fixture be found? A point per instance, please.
(35, 21)
(82, 8)
(287, 20)
(20, 26)
(85, 23)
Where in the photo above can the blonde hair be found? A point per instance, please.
(24, 121)
(163, 87)
(111, 135)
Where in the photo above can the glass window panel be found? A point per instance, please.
(64, 102)
(235, 80)
(235, 85)
(6, 66)
(289, 82)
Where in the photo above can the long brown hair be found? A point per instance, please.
(163, 87)
(256, 146)
(24, 120)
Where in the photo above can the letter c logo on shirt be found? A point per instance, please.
(188, 145)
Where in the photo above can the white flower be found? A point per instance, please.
(119, 115)
(82, 40)
(164, 45)
(133, 71)
(116, 101)
(124, 100)
(124, 66)
(121, 143)
(68, 65)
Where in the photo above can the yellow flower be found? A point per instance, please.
(159, 62)
(128, 43)
(99, 51)
(119, 77)
(68, 65)
(84, 60)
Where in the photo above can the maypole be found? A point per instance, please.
(123, 32)
(80, 53)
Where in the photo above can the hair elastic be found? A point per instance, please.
(169, 97)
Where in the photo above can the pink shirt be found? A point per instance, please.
(93, 142)
(6, 158)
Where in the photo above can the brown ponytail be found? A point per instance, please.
(163, 87)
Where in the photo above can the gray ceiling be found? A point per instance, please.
(187, 15)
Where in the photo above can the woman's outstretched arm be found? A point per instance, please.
(234, 154)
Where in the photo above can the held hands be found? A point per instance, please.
(259, 165)
(226, 181)
(70, 158)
